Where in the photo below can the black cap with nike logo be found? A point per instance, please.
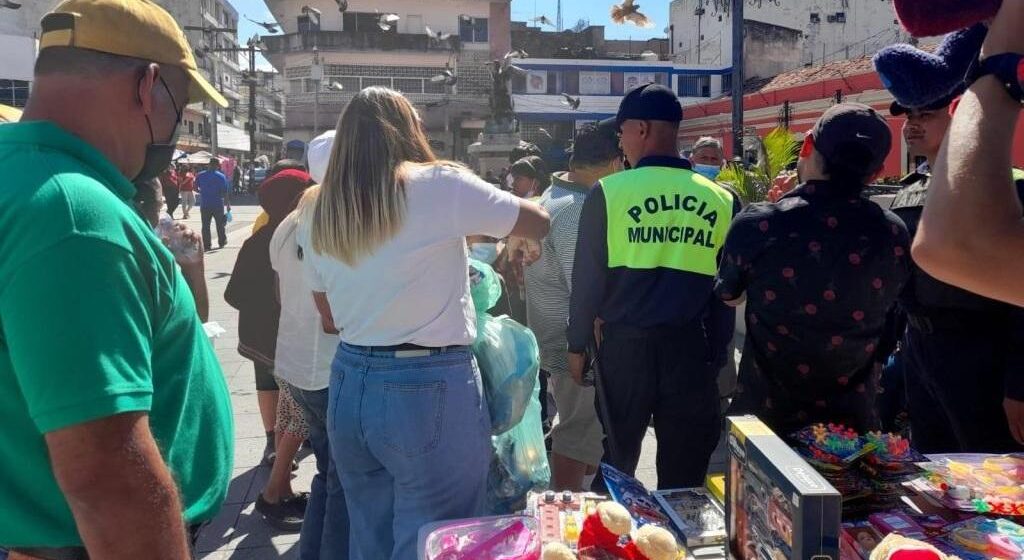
(854, 135)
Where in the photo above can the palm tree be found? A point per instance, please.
(775, 152)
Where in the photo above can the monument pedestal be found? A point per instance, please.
(491, 150)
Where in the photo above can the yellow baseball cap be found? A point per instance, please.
(134, 28)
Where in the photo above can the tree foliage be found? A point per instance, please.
(776, 151)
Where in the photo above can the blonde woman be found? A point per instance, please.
(384, 240)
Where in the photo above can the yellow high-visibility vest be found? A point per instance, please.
(664, 217)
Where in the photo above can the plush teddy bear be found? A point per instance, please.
(917, 78)
(897, 547)
(557, 551)
(651, 542)
(926, 18)
(603, 528)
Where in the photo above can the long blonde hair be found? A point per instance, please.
(362, 201)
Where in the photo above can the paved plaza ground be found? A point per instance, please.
(239, 532)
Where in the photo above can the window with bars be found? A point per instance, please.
(695, 86)
(473, 30)
(14, 92)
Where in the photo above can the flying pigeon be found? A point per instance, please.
(518, 53)
(572, 102)
(542, 20)
(438, 36)
(270, 27)
(342, 5)
(446, 77)
(387, 21)
(629, 11)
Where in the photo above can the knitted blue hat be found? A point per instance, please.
(920, 79)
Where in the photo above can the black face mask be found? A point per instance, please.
(159, 156)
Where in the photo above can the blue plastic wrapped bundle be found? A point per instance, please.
(509, 362)
(506, 352)
(520, 461)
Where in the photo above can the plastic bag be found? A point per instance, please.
(228, 217)
(505, 350)
(509, 363)
(484, 286)
(520, 461)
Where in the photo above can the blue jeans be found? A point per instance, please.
(325, 528)
(412, 441)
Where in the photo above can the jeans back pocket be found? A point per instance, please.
(413, 416)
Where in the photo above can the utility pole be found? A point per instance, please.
(699, 12)
(316, 73)
(737, 77)
(214, 111)
(208, 48)
(252, 106)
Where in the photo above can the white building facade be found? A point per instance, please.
(19, 45)
(787, 34)
(222, 69)
(318, 53)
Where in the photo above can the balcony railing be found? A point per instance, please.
(355, 40)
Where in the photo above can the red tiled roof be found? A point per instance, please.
(810, 74)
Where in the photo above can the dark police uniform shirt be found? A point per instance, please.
(928, 299)
(821, 270)
(643, 298)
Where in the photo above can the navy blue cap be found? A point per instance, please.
(650, 102)
(897, 109)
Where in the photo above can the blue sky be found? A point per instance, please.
(522, 10)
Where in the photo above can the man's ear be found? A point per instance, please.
(147, 83)
(807, 148)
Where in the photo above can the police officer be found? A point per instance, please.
(646, 258)
(963, 354)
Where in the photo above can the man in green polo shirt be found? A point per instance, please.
(117, 424)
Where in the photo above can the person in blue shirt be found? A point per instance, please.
(214, 201)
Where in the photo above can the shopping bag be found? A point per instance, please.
(509, 362)
(520, 461)
(506, 352)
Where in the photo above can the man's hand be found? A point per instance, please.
(577, 363)
(519, 253)
(323, 308)
(1015, 418)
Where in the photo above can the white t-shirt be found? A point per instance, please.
(304, 350)
(415, 287)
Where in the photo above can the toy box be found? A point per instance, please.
(777, 506)
(697, 519)
(560, 514)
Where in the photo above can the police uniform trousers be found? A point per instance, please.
(955, 385)
(661, 373)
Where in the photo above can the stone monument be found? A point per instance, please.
(491, 150)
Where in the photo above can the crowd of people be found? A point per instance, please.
(354, 300)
